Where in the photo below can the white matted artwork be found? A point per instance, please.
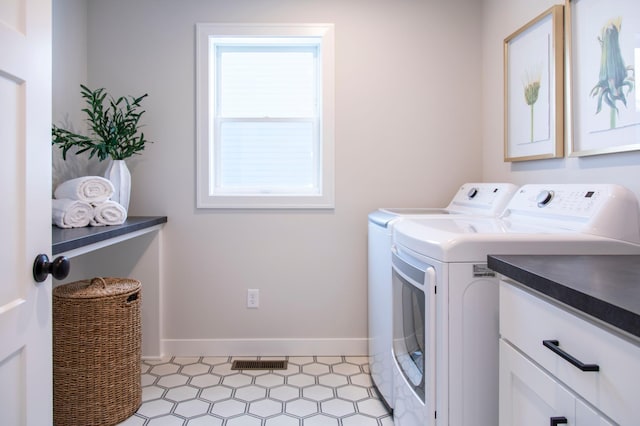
(603, 56)
(534, 89)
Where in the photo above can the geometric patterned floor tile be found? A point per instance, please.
(312, 391)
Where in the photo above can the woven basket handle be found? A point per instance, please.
(98, 281)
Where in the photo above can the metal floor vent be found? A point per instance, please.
(258, 365)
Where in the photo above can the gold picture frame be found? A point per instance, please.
(534, 89)
(602, 57)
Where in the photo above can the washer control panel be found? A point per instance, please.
(601, 209)
(484, 198)
(566, 200)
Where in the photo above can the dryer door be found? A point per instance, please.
(414, 335)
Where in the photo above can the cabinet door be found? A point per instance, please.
(530, 397)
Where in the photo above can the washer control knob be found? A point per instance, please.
(472, 192)
(544, 198)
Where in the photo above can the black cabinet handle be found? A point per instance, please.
(554, 346)
(554, 421)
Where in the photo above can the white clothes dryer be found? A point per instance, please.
(471, 199)
(445, 299)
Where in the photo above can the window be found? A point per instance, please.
(264, 116)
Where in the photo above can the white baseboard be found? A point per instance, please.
(263, 347)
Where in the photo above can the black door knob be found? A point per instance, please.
(59, 268)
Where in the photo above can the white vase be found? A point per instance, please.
(118, 173)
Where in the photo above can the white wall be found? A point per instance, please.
(69, 70)
(69, 59)
(501, 18)
(419, 109)
(407, 133)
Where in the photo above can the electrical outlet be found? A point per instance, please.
(253, 298)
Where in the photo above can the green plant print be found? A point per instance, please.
(531, 91)
(614, 76)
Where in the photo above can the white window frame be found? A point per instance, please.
(207, 197)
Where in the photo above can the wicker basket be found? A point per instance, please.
(96, 351)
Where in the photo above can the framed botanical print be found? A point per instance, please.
(603, 56)
(534, 89)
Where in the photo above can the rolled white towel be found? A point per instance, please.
(108, 213)
(68, 213)
(92, 189)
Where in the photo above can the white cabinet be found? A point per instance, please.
(531, 397)
(538, 384)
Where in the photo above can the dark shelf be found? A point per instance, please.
(69, 239)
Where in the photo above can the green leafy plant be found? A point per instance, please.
(114, 125)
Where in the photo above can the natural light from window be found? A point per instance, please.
(268, 82)
(265, 130)
(266, 116)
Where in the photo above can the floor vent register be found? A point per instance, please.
(259, 365)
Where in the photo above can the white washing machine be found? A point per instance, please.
(471, 199)
(445, 300)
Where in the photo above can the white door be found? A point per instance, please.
(25, 211)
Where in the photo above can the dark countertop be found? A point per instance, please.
(606, 287)
(73, 238)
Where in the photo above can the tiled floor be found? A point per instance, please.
(312, 391)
